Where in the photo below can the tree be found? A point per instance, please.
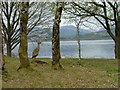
(1, 54)
(2, 62)
(39, 17)
(78, 23)
(40, 21)
(10, 23)
(107, 14)
(23, 54)
(56, 37)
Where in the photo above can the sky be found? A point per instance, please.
(89, 26)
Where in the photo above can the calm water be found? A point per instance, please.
(69, 49)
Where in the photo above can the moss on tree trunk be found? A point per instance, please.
(117, 48)
(56, 38)
(2, 62)
(117, 40)
(1, 56)
(23, 48)
(8, 50)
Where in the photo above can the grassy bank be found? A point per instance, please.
(86, 73)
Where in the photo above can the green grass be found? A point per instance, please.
(85, 73)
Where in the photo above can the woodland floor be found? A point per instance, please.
(85, 73)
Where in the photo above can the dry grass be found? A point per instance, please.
(87, 73)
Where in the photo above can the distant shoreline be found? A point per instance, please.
(75, 40)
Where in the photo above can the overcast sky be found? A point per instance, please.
(89, 26)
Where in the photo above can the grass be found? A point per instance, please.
(85, 73)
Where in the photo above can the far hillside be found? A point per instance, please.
(69, 32)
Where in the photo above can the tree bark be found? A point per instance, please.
(2, 62)
(56, 38)
(23, 48)
(117, 48)
(1, 55)
(78, 40)
(117, 41)
(8, 49)
(8, 43)
(9, 37)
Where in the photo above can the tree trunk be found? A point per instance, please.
(117, 48)
(78, 40)
(117, 41)
(1, 55)
(2, 63)
(23, 48)
(8, 49)
(56, 38)
(9, 36)
(3, 60)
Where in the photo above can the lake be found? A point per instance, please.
(69, 49)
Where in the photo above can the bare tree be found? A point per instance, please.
(10, 23)
(39, 15)
(77, 20)
(78, 23)
(39, 18)
(106, 13)
(40, 21)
